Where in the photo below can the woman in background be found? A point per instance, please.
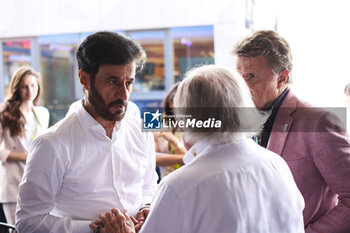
(169, 147)
(21, 121)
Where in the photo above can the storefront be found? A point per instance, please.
(170, 53)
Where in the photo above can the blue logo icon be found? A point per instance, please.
(151, 120)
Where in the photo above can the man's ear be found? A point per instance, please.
(283, 78)
(84, 79)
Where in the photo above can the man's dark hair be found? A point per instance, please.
(269, 44)
(109, 48)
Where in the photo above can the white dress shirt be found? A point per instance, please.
(76, 172)
(229, 188)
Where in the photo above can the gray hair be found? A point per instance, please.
(347, 89)
(222, 90)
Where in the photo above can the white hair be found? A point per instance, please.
(212, 89)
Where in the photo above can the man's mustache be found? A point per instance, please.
(118, 102)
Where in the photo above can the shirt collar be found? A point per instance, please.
(277, 102)
(88, 122)
(203, 145)
(195, 150)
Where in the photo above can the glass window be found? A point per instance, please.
(57, 67)
(15, 55)
(152, 76)
(192, 46)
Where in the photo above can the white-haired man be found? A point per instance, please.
(232, 184)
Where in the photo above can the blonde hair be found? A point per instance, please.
(11, 116)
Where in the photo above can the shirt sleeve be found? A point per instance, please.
(167, 213)
(150, 176)
(41, 182)
(331, 155)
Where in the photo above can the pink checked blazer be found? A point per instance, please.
(317, 151)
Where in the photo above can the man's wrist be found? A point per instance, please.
(97, 230)
(148, 205)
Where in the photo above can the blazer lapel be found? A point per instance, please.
(282, 124)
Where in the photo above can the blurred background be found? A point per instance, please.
(177, 35)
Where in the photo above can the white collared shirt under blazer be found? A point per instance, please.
(11, 172)
(75, 172)
(228, 188)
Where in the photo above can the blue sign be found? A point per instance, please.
(151, 120)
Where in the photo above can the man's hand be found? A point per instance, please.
(114, 222)
(96, 226)
(141, 218)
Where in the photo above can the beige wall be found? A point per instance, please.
(318, 31)
(26, 18)
(21, 18)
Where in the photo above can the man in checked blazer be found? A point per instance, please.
(312, 141)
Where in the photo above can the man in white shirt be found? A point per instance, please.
(95, 158)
